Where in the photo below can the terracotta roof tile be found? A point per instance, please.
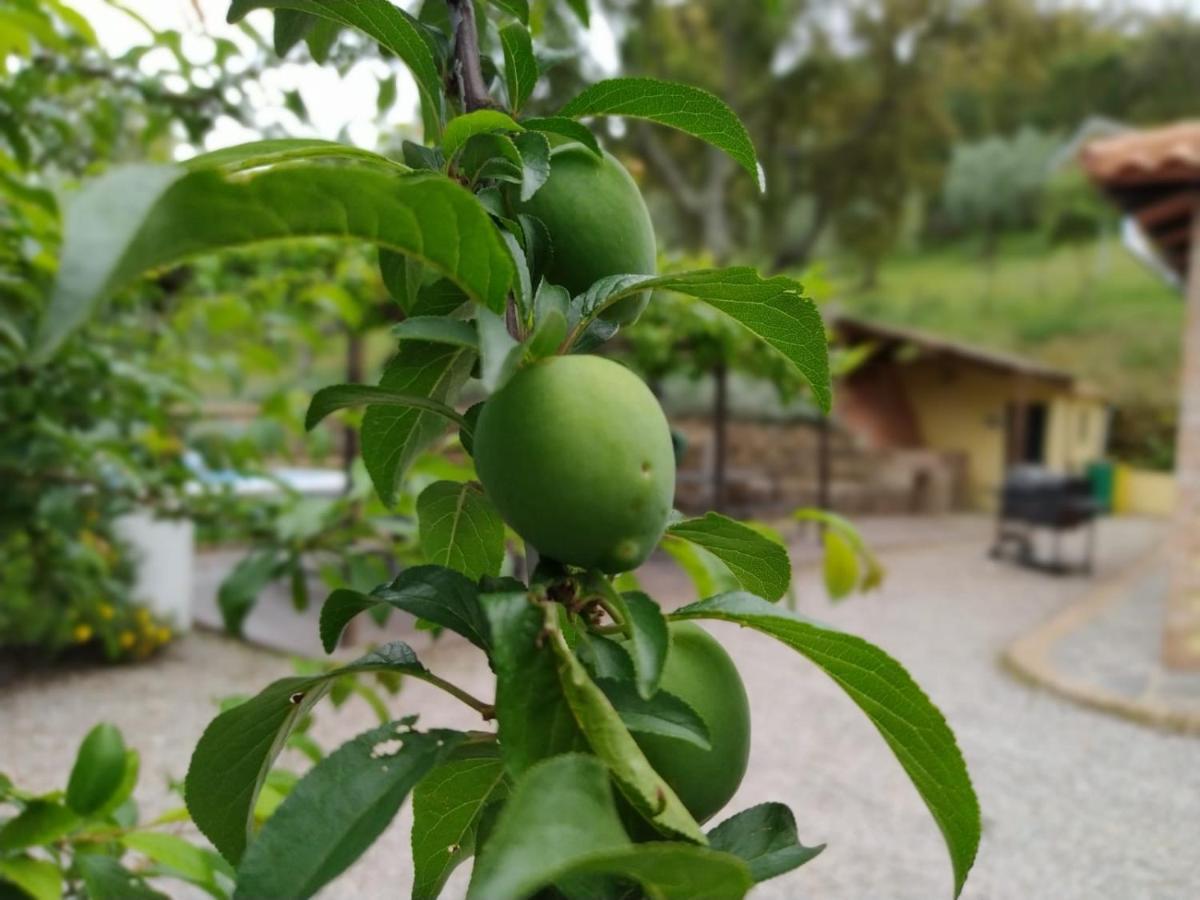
(1156, 155)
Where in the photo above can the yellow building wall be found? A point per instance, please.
(961, 408)
(1141, 492)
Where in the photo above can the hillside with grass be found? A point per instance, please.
(1093, 310)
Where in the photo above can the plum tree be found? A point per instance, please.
(598, 224)
(576, 454)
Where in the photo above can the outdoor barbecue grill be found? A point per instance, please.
(1033, 498)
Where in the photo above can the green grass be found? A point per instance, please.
(1095, 311)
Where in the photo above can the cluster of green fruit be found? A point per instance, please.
(576, 454)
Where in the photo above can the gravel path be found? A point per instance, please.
(1076, 804)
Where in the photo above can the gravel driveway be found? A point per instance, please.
(1075, 804)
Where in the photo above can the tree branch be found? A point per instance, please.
(468, 72)
(685, 195)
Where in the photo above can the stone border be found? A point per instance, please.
(1028, 657)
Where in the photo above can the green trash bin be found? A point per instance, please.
(1101, 474)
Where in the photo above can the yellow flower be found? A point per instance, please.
(82, 634)
(164, 634)
(126, 639)
(142, 616)
(106, 611)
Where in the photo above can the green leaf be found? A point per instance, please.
(342, 396)
(708, 574)
(140, 218)
(460, 529)
(605, 658)
(499, 353)
(760, 565)
(183, 859)
(663, 714)
(565, 127)
(291, 27)
(872, 577)
(839, 566)
(236, 751)
(520, 66)
(320, 42)
(386, 98)
(517, 8)
(490, 156)
(775, 309)
(392, 437)
(394, 29)
(98, 770)
(765, 837)
(107, 879)
(481, 121)
(432, 593)
(610, 740)
(337, 810)
(910, 724)
(648, 641)
(535, 162)
(40, 822)
(240, 589)
(124, 791)
(447, 807)
(561, 823)
(438, 330)
(38, 878)
(533, 716)
(689, 109)
(580, 8)
(258, 154)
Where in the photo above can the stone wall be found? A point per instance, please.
(772, 468)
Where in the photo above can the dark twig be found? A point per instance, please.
(468, 71)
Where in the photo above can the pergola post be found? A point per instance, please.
(1181, 635)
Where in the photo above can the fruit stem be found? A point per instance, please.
(487, 710)
(468, 70)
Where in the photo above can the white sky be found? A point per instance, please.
(334, 103)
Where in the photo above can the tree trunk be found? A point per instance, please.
(720, 419)
(1181, 638)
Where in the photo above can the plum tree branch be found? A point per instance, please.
(468, 69)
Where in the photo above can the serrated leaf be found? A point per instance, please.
(561, 823)
(392, 437)
(107, 879)
(441, 596)
(564, 127)
(447, 806)
(760, 565)
(775, 309)
(533, 716)
(481, 121)
(517, 8)
(460, 529)
(337, 810)
(393, 28)
(604, 658)
(664, 714)
(765, 837)
(98, 770)
(236, 751)
(520, 66)
(343, 396)
(438, 330)
(490, 156)
(535, 162)
(36, 878)
(40, 822)
(135, 219)
(708, 574)
(290, 29)
(257, 154)
(691, 110)
(911, 725)
(648, 641)
(611, 741)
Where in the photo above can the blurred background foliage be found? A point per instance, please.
(918, 161)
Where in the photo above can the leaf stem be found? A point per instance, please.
(468, 69)
(487, 710)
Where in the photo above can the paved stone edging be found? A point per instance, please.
(1029, 657)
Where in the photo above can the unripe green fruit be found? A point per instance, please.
(598, 223)
(700, 672)
(575, 453)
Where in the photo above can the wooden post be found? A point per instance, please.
(1181, 637)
